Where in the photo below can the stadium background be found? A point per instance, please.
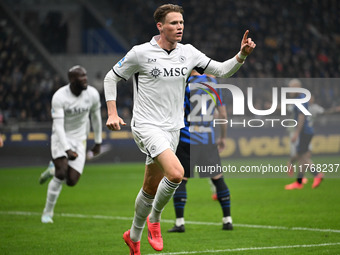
(40, 40)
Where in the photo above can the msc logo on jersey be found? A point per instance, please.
(155, 72)
(169, 72)
(73, 111)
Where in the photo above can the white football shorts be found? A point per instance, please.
(77, 146)
(152, 141)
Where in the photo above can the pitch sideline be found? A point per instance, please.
(69, 215)
(249, 249)
(103, 217)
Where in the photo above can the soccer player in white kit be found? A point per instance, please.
(72, 105)
(160, 69)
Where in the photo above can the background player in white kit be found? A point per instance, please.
(72, 105)
(160, 69)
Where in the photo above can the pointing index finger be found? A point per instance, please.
(245, 36)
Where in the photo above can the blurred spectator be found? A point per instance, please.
(98, 82)
(296, 38)
(26, 88)
(54, 32)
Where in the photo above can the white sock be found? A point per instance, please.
(227, 219)
(143, 205)
(53, 191)
(165, 191)
(179, 222)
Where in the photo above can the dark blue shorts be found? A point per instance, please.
(203, 155)
(304, 142)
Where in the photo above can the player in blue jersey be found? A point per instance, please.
(302, 136)
(197, 146)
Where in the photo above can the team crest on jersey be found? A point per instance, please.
(120, 63)
(155, 72)
(153, 148)
(182, 59)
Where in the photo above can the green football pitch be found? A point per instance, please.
(91, 217)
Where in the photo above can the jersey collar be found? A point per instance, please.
(154, 40)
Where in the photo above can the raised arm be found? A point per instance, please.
(229, 67)
(247, 47)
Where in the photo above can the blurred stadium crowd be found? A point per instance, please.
(298, 38)
(26, 84)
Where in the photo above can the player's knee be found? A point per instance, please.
(60, 173)
(71, 183)
(72, 180)
(72, 177)
(219, 176)
(304, 160)
(176, 175)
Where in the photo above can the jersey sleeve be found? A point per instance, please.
(57, 113)
(95, 116)
(57, 109)
(201, 60)
(128, 65)
(95, 97)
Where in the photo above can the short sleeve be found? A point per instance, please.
(201, 60)
(128, 65)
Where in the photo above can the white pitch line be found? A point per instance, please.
(103, 217)
(248, 249)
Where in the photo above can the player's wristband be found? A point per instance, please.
(241, 56)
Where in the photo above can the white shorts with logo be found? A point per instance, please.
(77, 146)
(153, 141)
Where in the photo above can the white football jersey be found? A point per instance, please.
(159, 81)
(74, 110)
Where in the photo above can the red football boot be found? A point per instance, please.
(134, 246)
(154, 235)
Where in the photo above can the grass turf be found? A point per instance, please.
(91, 217)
